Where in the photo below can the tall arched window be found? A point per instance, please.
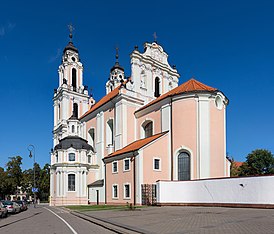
(157, 87)
(148, 128)
(109, 132)
(183, 166)
(91, 137)
(74, 78)
(75, 110)
(71, 182)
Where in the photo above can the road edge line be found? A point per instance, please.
(70, 227)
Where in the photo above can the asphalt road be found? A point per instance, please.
(47, 220)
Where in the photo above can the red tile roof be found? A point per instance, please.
(102, 101)
(136, 145)
(238, 164)
(191, 85)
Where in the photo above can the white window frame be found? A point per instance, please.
(117, 191)
(160, 168)
(124, 188)
(75, 179)
(114, 172)
(124, 164)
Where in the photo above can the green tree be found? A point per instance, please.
(27, 181)
(44, 182)
(258, 162)
(14, 173)
(5, 187)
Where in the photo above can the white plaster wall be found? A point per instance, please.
(93, 194)
(245, 190)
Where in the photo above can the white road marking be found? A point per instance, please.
(70, 227)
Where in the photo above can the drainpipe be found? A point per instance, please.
(105, 183)
(171, 138)
(134, 180)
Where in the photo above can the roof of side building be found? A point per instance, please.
(136, 145)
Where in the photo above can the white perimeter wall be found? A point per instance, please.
(245, 190)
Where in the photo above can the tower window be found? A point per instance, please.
(157, 87)
(75, 110)
(74, 79)
(89, 159)
(72, 129)
(71, 156)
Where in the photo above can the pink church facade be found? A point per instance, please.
(146, 128)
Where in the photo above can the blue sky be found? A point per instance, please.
(225, 44)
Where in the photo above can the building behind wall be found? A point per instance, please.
(146, 128)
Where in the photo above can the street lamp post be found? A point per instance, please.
(31, 149)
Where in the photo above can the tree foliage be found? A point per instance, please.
(14, 178)
(258, 162)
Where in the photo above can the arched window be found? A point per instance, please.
(71, 182)
(75, 110)
(91, 137)
(72, 129)
(183, 166)
(109, 132)
(157, 87)
(148, 128)
(74, 77)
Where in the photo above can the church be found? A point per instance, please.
(146, 128)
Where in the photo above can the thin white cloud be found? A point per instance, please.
(8, 27)
(56, 56)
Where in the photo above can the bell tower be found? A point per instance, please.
(117, 75)
(71, 99)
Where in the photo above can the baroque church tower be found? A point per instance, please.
(71, 157)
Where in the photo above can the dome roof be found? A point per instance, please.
(70, 46)
(74, 142)
(117, 65)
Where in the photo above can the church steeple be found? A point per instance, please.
(71, 99)
(117, 74)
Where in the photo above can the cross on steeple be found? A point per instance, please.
(117, 54)
(155, 37)
(71, 29)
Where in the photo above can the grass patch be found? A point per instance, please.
(96, 207)
(101, 207)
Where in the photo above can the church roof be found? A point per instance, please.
(102, 101)
(70, 46)
(136, 145)
(191, 86)
(74, 142)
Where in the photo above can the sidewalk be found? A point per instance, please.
(189, 220)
